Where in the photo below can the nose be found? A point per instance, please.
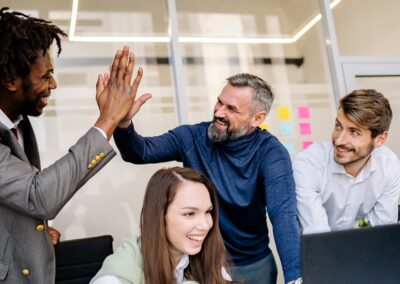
(219, 111)
(52, 83)
(205, 222)
(341, 138)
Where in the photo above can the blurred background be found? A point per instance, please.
(312, 52)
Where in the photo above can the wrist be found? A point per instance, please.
(107, 126)
(124, 123)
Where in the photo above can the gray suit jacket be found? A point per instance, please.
(29, 197)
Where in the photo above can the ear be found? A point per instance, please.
(258, 118)
(380, 139)
(10, 84)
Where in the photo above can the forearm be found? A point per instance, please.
(137, 149)
(287, 239)
(43, 194)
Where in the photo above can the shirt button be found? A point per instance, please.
(25, 272)
(101, 154)
(40, 228)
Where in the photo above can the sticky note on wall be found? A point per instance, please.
(286, 128)
(283, 113)
(303, 112)
(305, 144)
(290, 147)
(263, 126)
(305, 128)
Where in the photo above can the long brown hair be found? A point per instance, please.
(204, 267)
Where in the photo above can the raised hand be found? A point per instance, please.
(116, 95)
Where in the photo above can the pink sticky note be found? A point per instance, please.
(303, 112)
(305, 144)
(305, 128)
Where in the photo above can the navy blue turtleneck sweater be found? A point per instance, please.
(251, 174)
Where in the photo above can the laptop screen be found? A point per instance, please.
(365, 255)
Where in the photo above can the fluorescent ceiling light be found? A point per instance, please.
(163, 39)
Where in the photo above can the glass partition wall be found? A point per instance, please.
(280, 41)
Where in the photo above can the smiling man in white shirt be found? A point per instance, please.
(354, 179)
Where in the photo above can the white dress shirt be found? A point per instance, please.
(13, 124)
(330, 199)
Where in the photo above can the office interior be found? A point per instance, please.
(312, 52)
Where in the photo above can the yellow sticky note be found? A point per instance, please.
(263, 126)
(283, 113)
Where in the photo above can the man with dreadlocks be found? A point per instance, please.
(28, 196)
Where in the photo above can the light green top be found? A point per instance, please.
(126, 264)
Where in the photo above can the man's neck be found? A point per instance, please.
(355, 168)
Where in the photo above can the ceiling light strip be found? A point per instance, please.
(225, 40)
(74, 14)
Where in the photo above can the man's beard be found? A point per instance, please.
(358, 155)
(221, 136)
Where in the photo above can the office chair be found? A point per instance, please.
(77, 261)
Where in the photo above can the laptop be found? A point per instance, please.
(364, 255)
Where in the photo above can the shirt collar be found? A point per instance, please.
(180, 268)
(7, 122)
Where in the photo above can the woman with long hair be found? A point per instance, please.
(180, 238)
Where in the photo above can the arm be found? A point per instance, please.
(281, 205)
(385, 210)
(43, 194)
(137, 149)
(311, 212)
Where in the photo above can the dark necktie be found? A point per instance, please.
(15, 131)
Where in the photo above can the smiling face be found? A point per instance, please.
(353, 144)
(233, 115)
(188, 219)
(32, 92)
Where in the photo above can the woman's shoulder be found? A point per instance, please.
(125, 262)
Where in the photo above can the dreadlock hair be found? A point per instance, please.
(22, 37)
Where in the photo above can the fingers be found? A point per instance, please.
(123, 63)
(54, 235)
(99, 85)
(140, 101)
(106, 77)
(137, 80)
(129, 69)
(115, 65)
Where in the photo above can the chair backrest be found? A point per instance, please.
(77, 261)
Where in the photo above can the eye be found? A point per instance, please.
(188, 214)
(355, 133)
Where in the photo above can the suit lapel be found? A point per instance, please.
(8, 138)
(31, 153)
(30, 144)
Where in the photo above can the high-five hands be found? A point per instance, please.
(116, 96)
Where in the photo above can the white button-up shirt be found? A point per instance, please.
(330, 199)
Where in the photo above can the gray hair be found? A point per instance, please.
(262, 97)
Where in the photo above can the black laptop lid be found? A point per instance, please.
(365, 255)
